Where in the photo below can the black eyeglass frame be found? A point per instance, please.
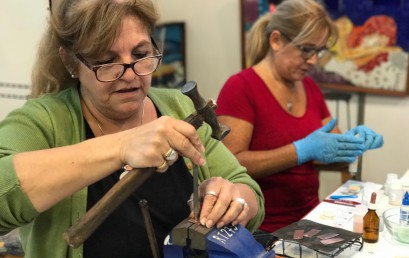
(307, 52)
(131, 65)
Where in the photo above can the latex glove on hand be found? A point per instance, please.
(321, 145)
(371, 139)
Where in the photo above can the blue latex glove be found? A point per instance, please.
(321, 145)
(371, 139)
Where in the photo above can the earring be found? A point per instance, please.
(73, 76)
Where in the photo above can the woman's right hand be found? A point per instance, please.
(146, 145)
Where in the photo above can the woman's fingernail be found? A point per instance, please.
(209, 223)
(220, 225)
(202, 162)
(203, 221)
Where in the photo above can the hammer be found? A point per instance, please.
(87, 224)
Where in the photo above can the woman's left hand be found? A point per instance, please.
(372, 140)
(221, 203)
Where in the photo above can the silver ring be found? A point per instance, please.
(163, 166)
(189, 202)
(170, 155)
(212, 193)
(240, 200)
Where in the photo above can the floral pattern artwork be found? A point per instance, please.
(366, 55)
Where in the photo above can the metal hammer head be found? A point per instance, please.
(206, 110)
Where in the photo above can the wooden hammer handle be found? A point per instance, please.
(87, 224)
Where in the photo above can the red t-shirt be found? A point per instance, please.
(290, 194)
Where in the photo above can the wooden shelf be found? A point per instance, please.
(351, 88)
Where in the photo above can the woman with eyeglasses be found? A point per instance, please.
(91, 117)
(280, 122)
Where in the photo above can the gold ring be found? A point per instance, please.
(241, 201)
(170, 155)
(212, 193)
(163, 166)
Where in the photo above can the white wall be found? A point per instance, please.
(213, 39)
(387, 115)
(213, 54)
(21, 26)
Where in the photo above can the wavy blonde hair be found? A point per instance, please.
(297, 19)
(88, 27)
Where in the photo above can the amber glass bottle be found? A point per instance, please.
(371, 222)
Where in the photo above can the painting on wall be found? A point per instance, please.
(171, 73)
(251, 11)
(371, 51)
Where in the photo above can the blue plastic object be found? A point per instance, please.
(227, 242)
(336, 197)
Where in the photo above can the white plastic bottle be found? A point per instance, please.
(395, 192)
(387, 185)
(360, 211)
(404, 210)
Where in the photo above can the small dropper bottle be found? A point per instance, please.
(404, 210)
(371, 222)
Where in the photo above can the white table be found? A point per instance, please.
(386, 247)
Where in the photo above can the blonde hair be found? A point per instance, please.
(88, 27)
(297, 19)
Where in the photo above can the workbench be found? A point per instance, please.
(386, 247)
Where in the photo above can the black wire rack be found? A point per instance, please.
(357, 243)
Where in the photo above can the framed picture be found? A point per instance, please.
(371, 52)
(251, 10)
(171, 73)
(371, 55)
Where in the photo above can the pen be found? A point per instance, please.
(335, 197)
(343, 202)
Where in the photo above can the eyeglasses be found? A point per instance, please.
(114, 71)
(307, 52)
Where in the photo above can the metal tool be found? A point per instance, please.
(227, 242)
(143, 204)
(87, 224)
(196, 209)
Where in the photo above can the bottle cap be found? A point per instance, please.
(391, 176)
(405, 200)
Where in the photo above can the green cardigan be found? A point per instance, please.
(55, 120)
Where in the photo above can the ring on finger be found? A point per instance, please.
(189, 202)
(163, 166)
(212, 193)
(241, 201)
(170, 155)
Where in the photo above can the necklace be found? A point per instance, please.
(290, 96)
(274, 80)
(125, 168)
(289, 106)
